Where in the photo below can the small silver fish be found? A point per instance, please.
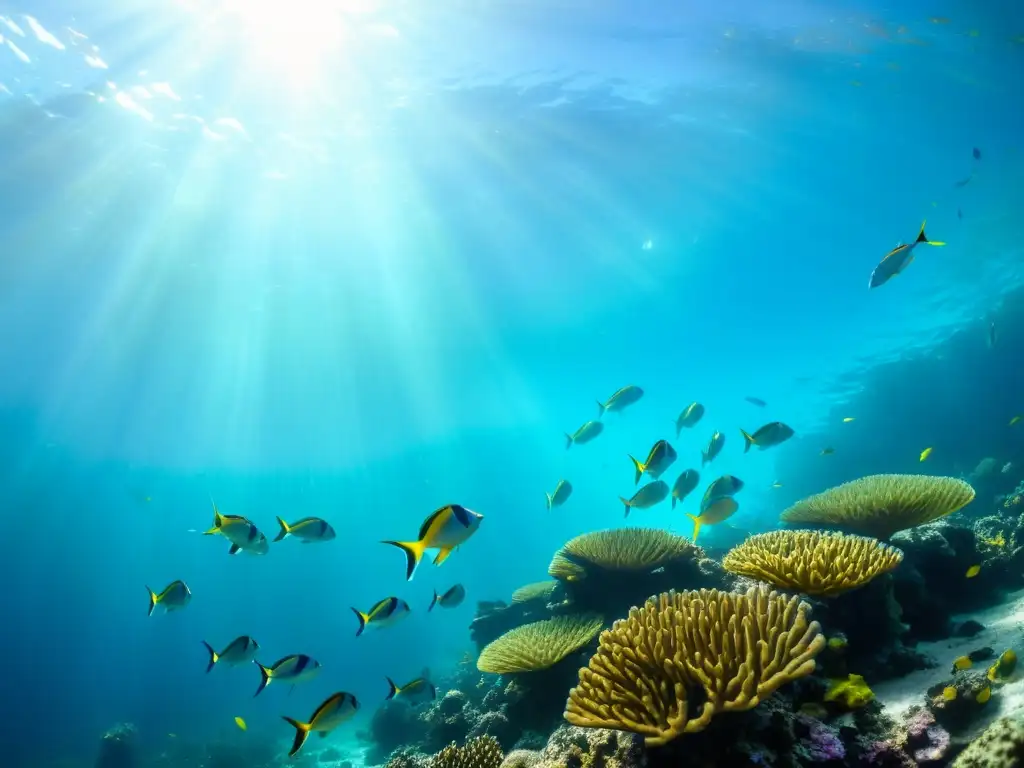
(684, 485)
(584, 434)
(450, 599)
(175, 596)
(898, 259)
(240, 651)
(620, 400)
(563, 490)
(307, 529)
(414, 692)
(714, 448)
(647, 496)
(771, 434)
(297, 668)
(338, 708)
(726, 485)
(691, 414)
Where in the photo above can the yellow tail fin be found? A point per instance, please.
(696, 526)
(284, 529)
(153, 600)
(639, 468)
(301, 733)
(413, 554)
(748, 441)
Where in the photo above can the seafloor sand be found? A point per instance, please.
(1004, 628)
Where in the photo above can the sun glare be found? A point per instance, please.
(289, 37)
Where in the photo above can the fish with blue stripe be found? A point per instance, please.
(444, 529)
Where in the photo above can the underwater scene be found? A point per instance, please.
(511, 384)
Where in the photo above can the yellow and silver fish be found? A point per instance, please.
(444, 530)
(240, 651)
(562, 493)
(726, 485)
(584, 434)
(297, 668)
(240, 531)
(175, 596)
(659, 458)
(620, 400)
(450, 599)
(689, 417)
(307, 529)
(338, 708)
(414, 692)
(771, 434)
(898, 259)
(714, 448)
(384, 613)
(718, 511)
(647, 496)
(684, 485)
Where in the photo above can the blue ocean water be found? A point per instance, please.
(361, 259)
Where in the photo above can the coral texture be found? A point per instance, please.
(540, 590)
(481, 752)
(813, 562)
(739, 648)
(539, 645)
(1001, 745)
(881, 505)
(620, 549)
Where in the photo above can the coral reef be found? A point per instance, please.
(539, 645)
(881, 505)
(737, 648)
(481, 752)
(573, 747)
(118, 748)
(812, 562)
(1001, 745)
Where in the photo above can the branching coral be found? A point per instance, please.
(539, 645)
(812, 562)
(620, 549)
(737, 648)
(540, 590)
(881, 505)
(481, 752)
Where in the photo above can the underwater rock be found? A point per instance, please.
(394, 724)
(957, 714)
(573, 747)
(1001, 745)
(496, 724)
(968, 628)
(409, 758)
(118, 748)
(818, 743)
(922, 737)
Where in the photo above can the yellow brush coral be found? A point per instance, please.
(737, 648)
(619, 549)
(540, 590)
(881, 505)
(539, 645)
(481, 752)
(812, 562)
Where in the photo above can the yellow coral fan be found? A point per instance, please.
(619, 549)
(812, 562)
(481, 752)
(539, 645)
(540, 590)
(881, 505)
(738, 648)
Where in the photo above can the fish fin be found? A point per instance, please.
(362, 621)
(153, 600)
(638, 470)
(212, 532)
(413, 554)
(265, 675)
(601, 408)
(696, 527)
(673, 502)
(234, 549)
(433, 602)
(748, 441)
(935, 243)
(214, 658)
(568, 441)
(394, 689)
(443, 555)
(284, 529)
(548, 495)
(626, 503)
(921, 236)
(301, 734)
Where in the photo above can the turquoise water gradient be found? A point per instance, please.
(389, 272)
